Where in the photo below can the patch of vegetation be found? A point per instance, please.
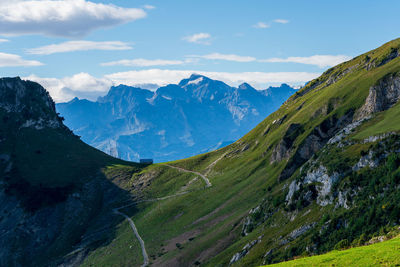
(386, 121)
(380, 254)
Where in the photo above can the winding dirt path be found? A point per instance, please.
(135, 231)
(132, 224)
(209, 167)
(208, 183)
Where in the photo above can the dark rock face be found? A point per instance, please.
(381, 96)
(44, 212)
(28, 235)
(394, 53)
(318, 137)
(284, 147)
(177, 121)
(31, 101)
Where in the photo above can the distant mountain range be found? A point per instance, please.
(321, 173)
(175, 121)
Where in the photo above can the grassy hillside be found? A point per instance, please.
(265, 205)
(380, 254)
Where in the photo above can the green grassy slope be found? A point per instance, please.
(380, 254)
(387, 121)
(206, 226)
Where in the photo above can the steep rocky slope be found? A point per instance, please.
(176, 121)
(322, 170)
(52, 185)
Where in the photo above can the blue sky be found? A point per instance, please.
(81, 48)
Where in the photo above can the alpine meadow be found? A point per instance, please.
(281, 149)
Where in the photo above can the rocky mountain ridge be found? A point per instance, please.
(178, 120)
(51, 184)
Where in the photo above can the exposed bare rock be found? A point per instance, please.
(296, 233)
(377, 239)
(366, 161)
(323, 187)
(370, 64)
(381, 96)
(245, 250)
(347, 130)
(339, 75)
(375, 138)
(293, 187)
(280, 120)
(301, 230)
(342, 200)
(315, 141)
(284, 147)
(394, 53)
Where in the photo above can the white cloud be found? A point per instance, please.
(80, 85)
(149, 7)
(4, 40)
(78, 46)
(66, 18)
(321, 61)
(282, 21)
(257, 79)
(11, 60)
(83, 85)
(227, 57)
(261, 25)
(141, 62)
(199, 38)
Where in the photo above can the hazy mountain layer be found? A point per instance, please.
(176, 121)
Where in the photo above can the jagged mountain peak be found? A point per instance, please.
(245, 86)
(194, 79)
(124, 91)
(195, 106)
(30, 102)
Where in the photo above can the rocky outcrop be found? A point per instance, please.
(248, 224)
(245, 250)
(296, 233)
(285, 146)
(257, 216)
(394, 53)
(31, 101)
(340, 74)
(377, 62)
(381, 96)
(346, 131)
(366, 161)
(323, 186)
(317, 183)
(342, 200)
(318, 137)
